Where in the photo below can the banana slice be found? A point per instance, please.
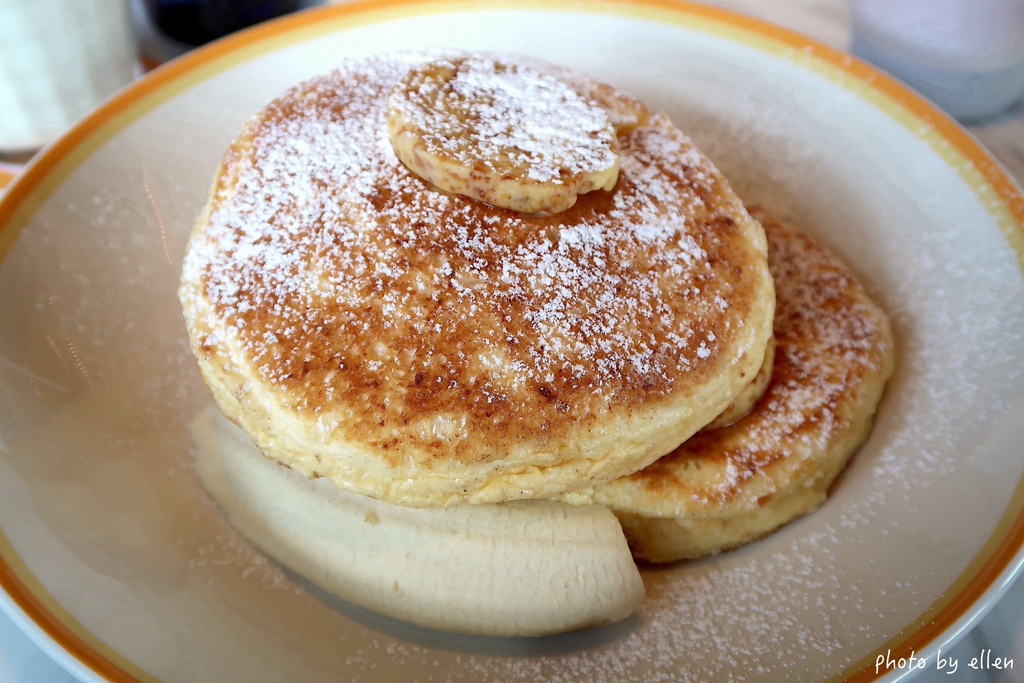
(516, 569)
(506, 134)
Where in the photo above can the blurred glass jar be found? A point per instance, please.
(965, 55)
(59, 59)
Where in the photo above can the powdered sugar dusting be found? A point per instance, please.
(343, 275)
(500, 116)
(887, 549)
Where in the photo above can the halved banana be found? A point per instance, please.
(515, 569)
(506, 134)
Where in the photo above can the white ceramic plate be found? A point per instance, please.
(112, 550)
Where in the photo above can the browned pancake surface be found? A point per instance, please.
(722, 487)
(431, 330)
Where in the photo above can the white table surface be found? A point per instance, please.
(1001, 632)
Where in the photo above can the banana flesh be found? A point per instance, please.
(505, 134)
(528, 568)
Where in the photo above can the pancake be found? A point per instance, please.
(427, 349)
(729, 486)
(750, 395)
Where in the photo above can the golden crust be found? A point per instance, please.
(726, 487)
(751, 394)
(428, 349)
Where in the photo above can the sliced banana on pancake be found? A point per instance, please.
(526, 568)
(503, 133)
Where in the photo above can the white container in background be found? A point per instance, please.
(58, 59)
(967, 56)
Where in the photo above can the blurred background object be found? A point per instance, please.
(967, 56)
(58, 59)
(168, 28)
(195, 22)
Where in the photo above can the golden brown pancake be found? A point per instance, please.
(750, 395)
(725, 487)
(427, 349)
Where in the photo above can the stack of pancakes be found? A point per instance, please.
(438, 279)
